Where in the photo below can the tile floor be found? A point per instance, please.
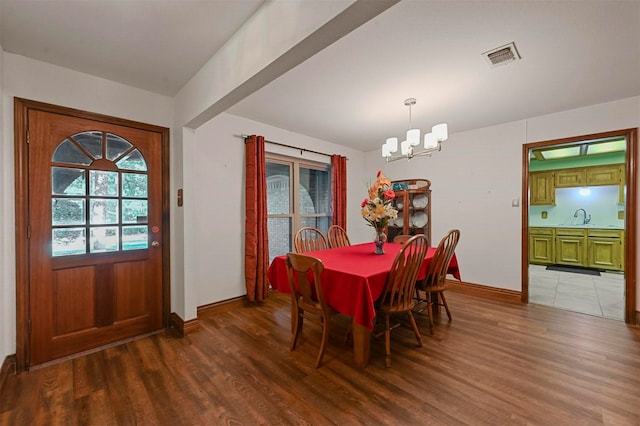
(600, 296)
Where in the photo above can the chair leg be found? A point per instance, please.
(446, 307)
(296, 326)
(430, 312)
(348, 336)
(325, 338)
(387, 340)
(412, 320)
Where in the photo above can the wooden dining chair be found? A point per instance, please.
(431, 289)
(307, 298)
(337, 237)
(401, 239)
(399, 290)
(309, 239)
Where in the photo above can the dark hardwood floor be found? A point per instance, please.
(496, 363)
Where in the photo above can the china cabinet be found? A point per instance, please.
(413, 202)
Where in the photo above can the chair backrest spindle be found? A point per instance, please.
(337, 237)
(437, 270)
(401, 281)
(309, 239)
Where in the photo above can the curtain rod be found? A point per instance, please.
(288, 146)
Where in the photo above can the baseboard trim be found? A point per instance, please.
(183, 327)
(8, 367)
(223, 306)
(186, 327)
(494, 293)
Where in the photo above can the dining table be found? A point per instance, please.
(352, 280)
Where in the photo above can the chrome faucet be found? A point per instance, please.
(586, 219)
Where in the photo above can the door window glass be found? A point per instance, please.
(133, 161)
(103, 183)
(91, 142)
(68, 211)
(66, 181)
(68, 152)
(116, 146)
(134, 185)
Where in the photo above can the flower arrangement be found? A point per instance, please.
(378, 209)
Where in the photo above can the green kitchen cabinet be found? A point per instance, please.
(541, 246)
(603, 175)
(570, 246)
(567, 178)
(622, 186)
(605, 249)
(542, 189)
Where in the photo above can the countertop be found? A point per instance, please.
(587, 226)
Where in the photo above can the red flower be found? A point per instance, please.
(389, 194)
(379, 172)
(364, 203)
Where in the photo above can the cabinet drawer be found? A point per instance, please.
(570, 178)
(541, 231)
(573, 232)
(603, 175)
(604, 233)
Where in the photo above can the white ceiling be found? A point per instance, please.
(156, 45)
(352, 93)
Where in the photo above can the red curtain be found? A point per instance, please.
(256, 244)
(339, 190)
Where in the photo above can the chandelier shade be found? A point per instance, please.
(432, 140)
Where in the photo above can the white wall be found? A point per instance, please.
(218, 205)
(38, 81)
(477, 175)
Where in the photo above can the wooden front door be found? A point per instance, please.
(95, 232)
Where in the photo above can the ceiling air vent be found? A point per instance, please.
(502, 55)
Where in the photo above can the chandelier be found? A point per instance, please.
(432, 141)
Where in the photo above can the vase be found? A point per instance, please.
(379, 240)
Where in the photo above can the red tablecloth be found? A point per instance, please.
(353, 277)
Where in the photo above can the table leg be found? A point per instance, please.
(361, 344)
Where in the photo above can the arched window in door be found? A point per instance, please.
(99, 195)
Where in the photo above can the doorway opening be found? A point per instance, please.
(579, 232)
